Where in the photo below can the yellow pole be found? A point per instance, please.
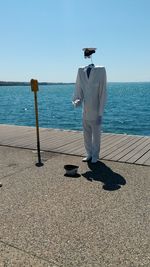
(34, 88)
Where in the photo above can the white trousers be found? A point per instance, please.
(92, 136)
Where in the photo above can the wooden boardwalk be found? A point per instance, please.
(115, 147)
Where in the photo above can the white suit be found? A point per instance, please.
(92, 92)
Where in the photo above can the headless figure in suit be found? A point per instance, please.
(91, 90)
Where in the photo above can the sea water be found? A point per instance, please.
(127, 108)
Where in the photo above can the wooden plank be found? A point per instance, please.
(12, 134)
(147, 162)
(127, 153)
(70, 145)
(127, 150)
(110, 140)
(77, 147)
(73, 147)
(58, 142)
(59, 135)
(137, 152)
(121, 151)
(125, 141)
(107, 138)
(30, 137)
(117, 140)
(145, 159)
(61, 147)
(115, 147)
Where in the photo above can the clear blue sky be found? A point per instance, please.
(43, 39)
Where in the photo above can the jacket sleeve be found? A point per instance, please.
(102, 93)
(78, 94)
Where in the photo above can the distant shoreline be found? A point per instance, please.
(5, 83)
(2, 83)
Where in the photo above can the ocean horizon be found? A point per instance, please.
(127, 109)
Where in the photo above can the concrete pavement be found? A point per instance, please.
(100, 218)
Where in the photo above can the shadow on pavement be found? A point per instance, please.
(72, 176)
(102, 173)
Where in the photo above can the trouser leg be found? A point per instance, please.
(96, 136)
(87, 133)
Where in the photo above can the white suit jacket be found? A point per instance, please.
(91, 91)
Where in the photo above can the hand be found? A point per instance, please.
(99, 120)
(76, 103)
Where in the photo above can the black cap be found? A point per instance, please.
(88, 51)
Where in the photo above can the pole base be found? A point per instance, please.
(39, 164)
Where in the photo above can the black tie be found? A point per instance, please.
(88, 71)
